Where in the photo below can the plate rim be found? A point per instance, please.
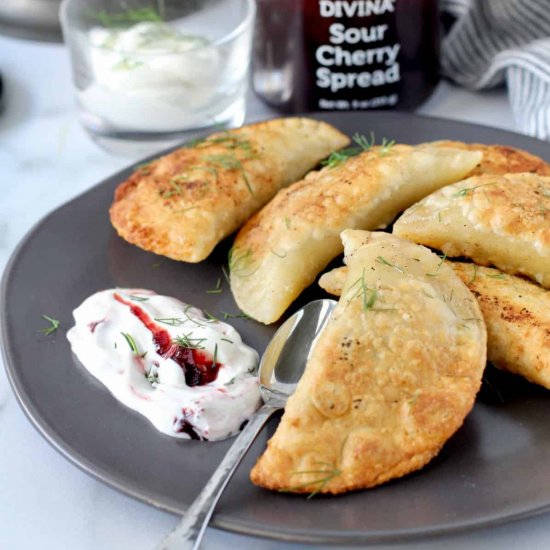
(221, 521)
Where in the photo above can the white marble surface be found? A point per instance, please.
(45, 159)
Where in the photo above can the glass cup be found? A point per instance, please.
(147, 73)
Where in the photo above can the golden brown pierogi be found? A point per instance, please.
(281, 249)
(390, 379)
(494, 220)
(181, 205)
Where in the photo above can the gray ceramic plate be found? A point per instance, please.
(494, 469)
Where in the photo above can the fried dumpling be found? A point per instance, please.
(501, 159)
(281, 249)
(494, 220)
(517, 315)
(181, 205)
(390, 379)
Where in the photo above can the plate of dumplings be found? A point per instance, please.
(422, 409)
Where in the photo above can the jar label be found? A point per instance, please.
(355, 54)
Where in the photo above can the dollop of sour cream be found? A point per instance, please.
(191, 376)
(150, 77)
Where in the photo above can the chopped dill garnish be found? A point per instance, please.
(338, 157)
(226, 274)
(436, 272)
(135, 298)
(187, 341)
(327, 472)
(287, 222)
(368, 295)
(229, 162)
(212, 163)
(474, 274)
(215, 359)
(239, 262)
(386, 146)
(226, 340)
(497, 276)
(54, 325)
(383, 261)
(199, 324)
(129, 16)
(218, 289)
(240, 315)
(466, 190)
(131, 342)
(171, 321)
(427, 295)
(210, 318)
(232, 142)
(175, 190)
(439, 217)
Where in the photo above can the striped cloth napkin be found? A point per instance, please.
(497, 41)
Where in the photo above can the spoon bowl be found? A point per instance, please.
(286, 355)
(280, 370)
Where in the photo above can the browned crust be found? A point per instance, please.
(182, 204)
(384, 388)
(517, 315)
(502, 159)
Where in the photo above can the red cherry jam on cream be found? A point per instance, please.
(197, 367)
(192, 377)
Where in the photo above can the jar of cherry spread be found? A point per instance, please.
(317, 55)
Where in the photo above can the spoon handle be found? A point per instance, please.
(188, 534)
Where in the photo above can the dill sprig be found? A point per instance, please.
(54, 325)
(226, 275)
(497, 276)
(436, 272)
(474, 274)
(131, 342)
(136, 15)
(386, 146)
(368, 295)
(239, 262)
(209, 317)
(187, 341)
(383, 261)
(171, 321)
(212, 163)
(218, 289)
(135, 298)
(467, 190)
(338, 157)
(327, 472)
(230, 162)
(215, 358)
(240, 315)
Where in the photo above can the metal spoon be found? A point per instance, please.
(280, 370)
